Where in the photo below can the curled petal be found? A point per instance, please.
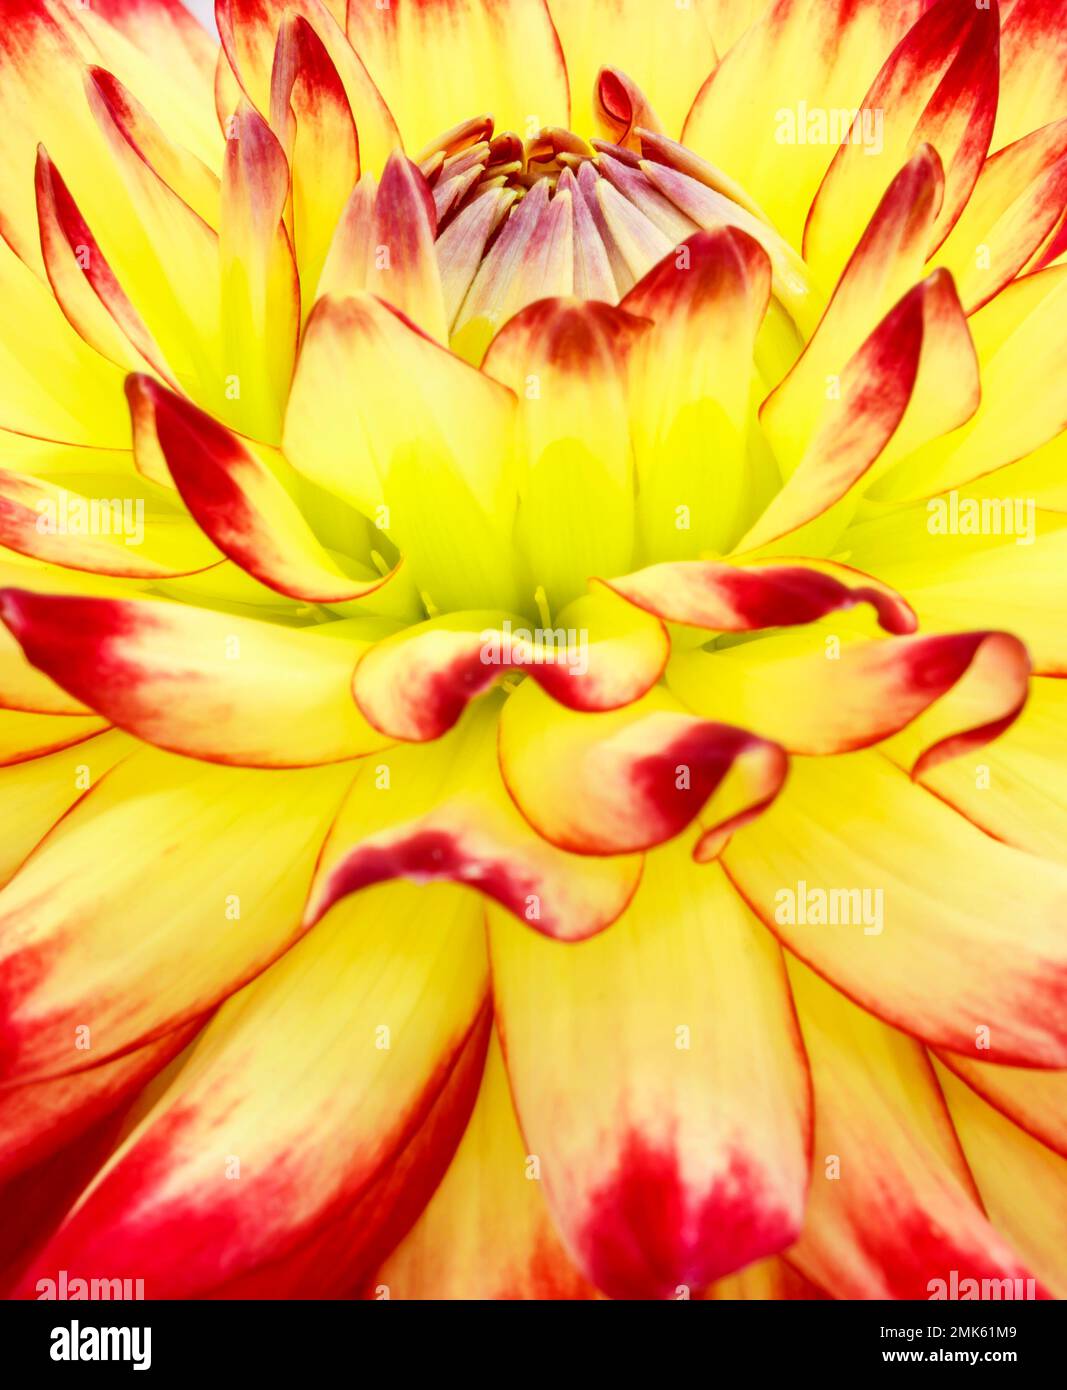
(440, 812)
(735, 598)
(620, 782)
(602, 655)
(789, 690)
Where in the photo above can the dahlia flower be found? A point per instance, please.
(533, 594)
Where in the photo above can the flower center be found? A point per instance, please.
(558, 215)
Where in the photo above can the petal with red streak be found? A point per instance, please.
(659, 1082)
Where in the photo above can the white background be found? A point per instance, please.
(204, 11)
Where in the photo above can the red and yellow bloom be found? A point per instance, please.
(530, 696)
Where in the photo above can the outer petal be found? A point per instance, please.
(244, 506)
(24, 736)
(208, 684)
(1021, 338)
(1036, 1101)
(95, 938)
(1018, 200)
(168, 34)
(41, 1117)
(1022, 1183)
(163, 254)
(659, 1080)
(247, 1177)
(486, 1233)
(838, 48)
(884, 266)
(941, 967)
(37, 793)
(1033, 61)
(1009, 568)
(40, 67)
(603, 655)
(440, 812)
(939, 87)
(504, 59)
(892, 1204)
(891, 393)
(815, 697)
(625, 781)
(95, 304)
(91, 530)
(52, 383)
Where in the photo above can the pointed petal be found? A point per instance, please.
(1019, 198)
(939, 963)
(938, 87)
(313, 121)
(94, 936)
(1033, 59)
(486, 1233)
(208, 684)
(244, 508)
(659, 1081)
(260, 284)
(249, 31)
(248, 1174)
(85, 287)
(838, 48)
(440, 811)
(892, 1205)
